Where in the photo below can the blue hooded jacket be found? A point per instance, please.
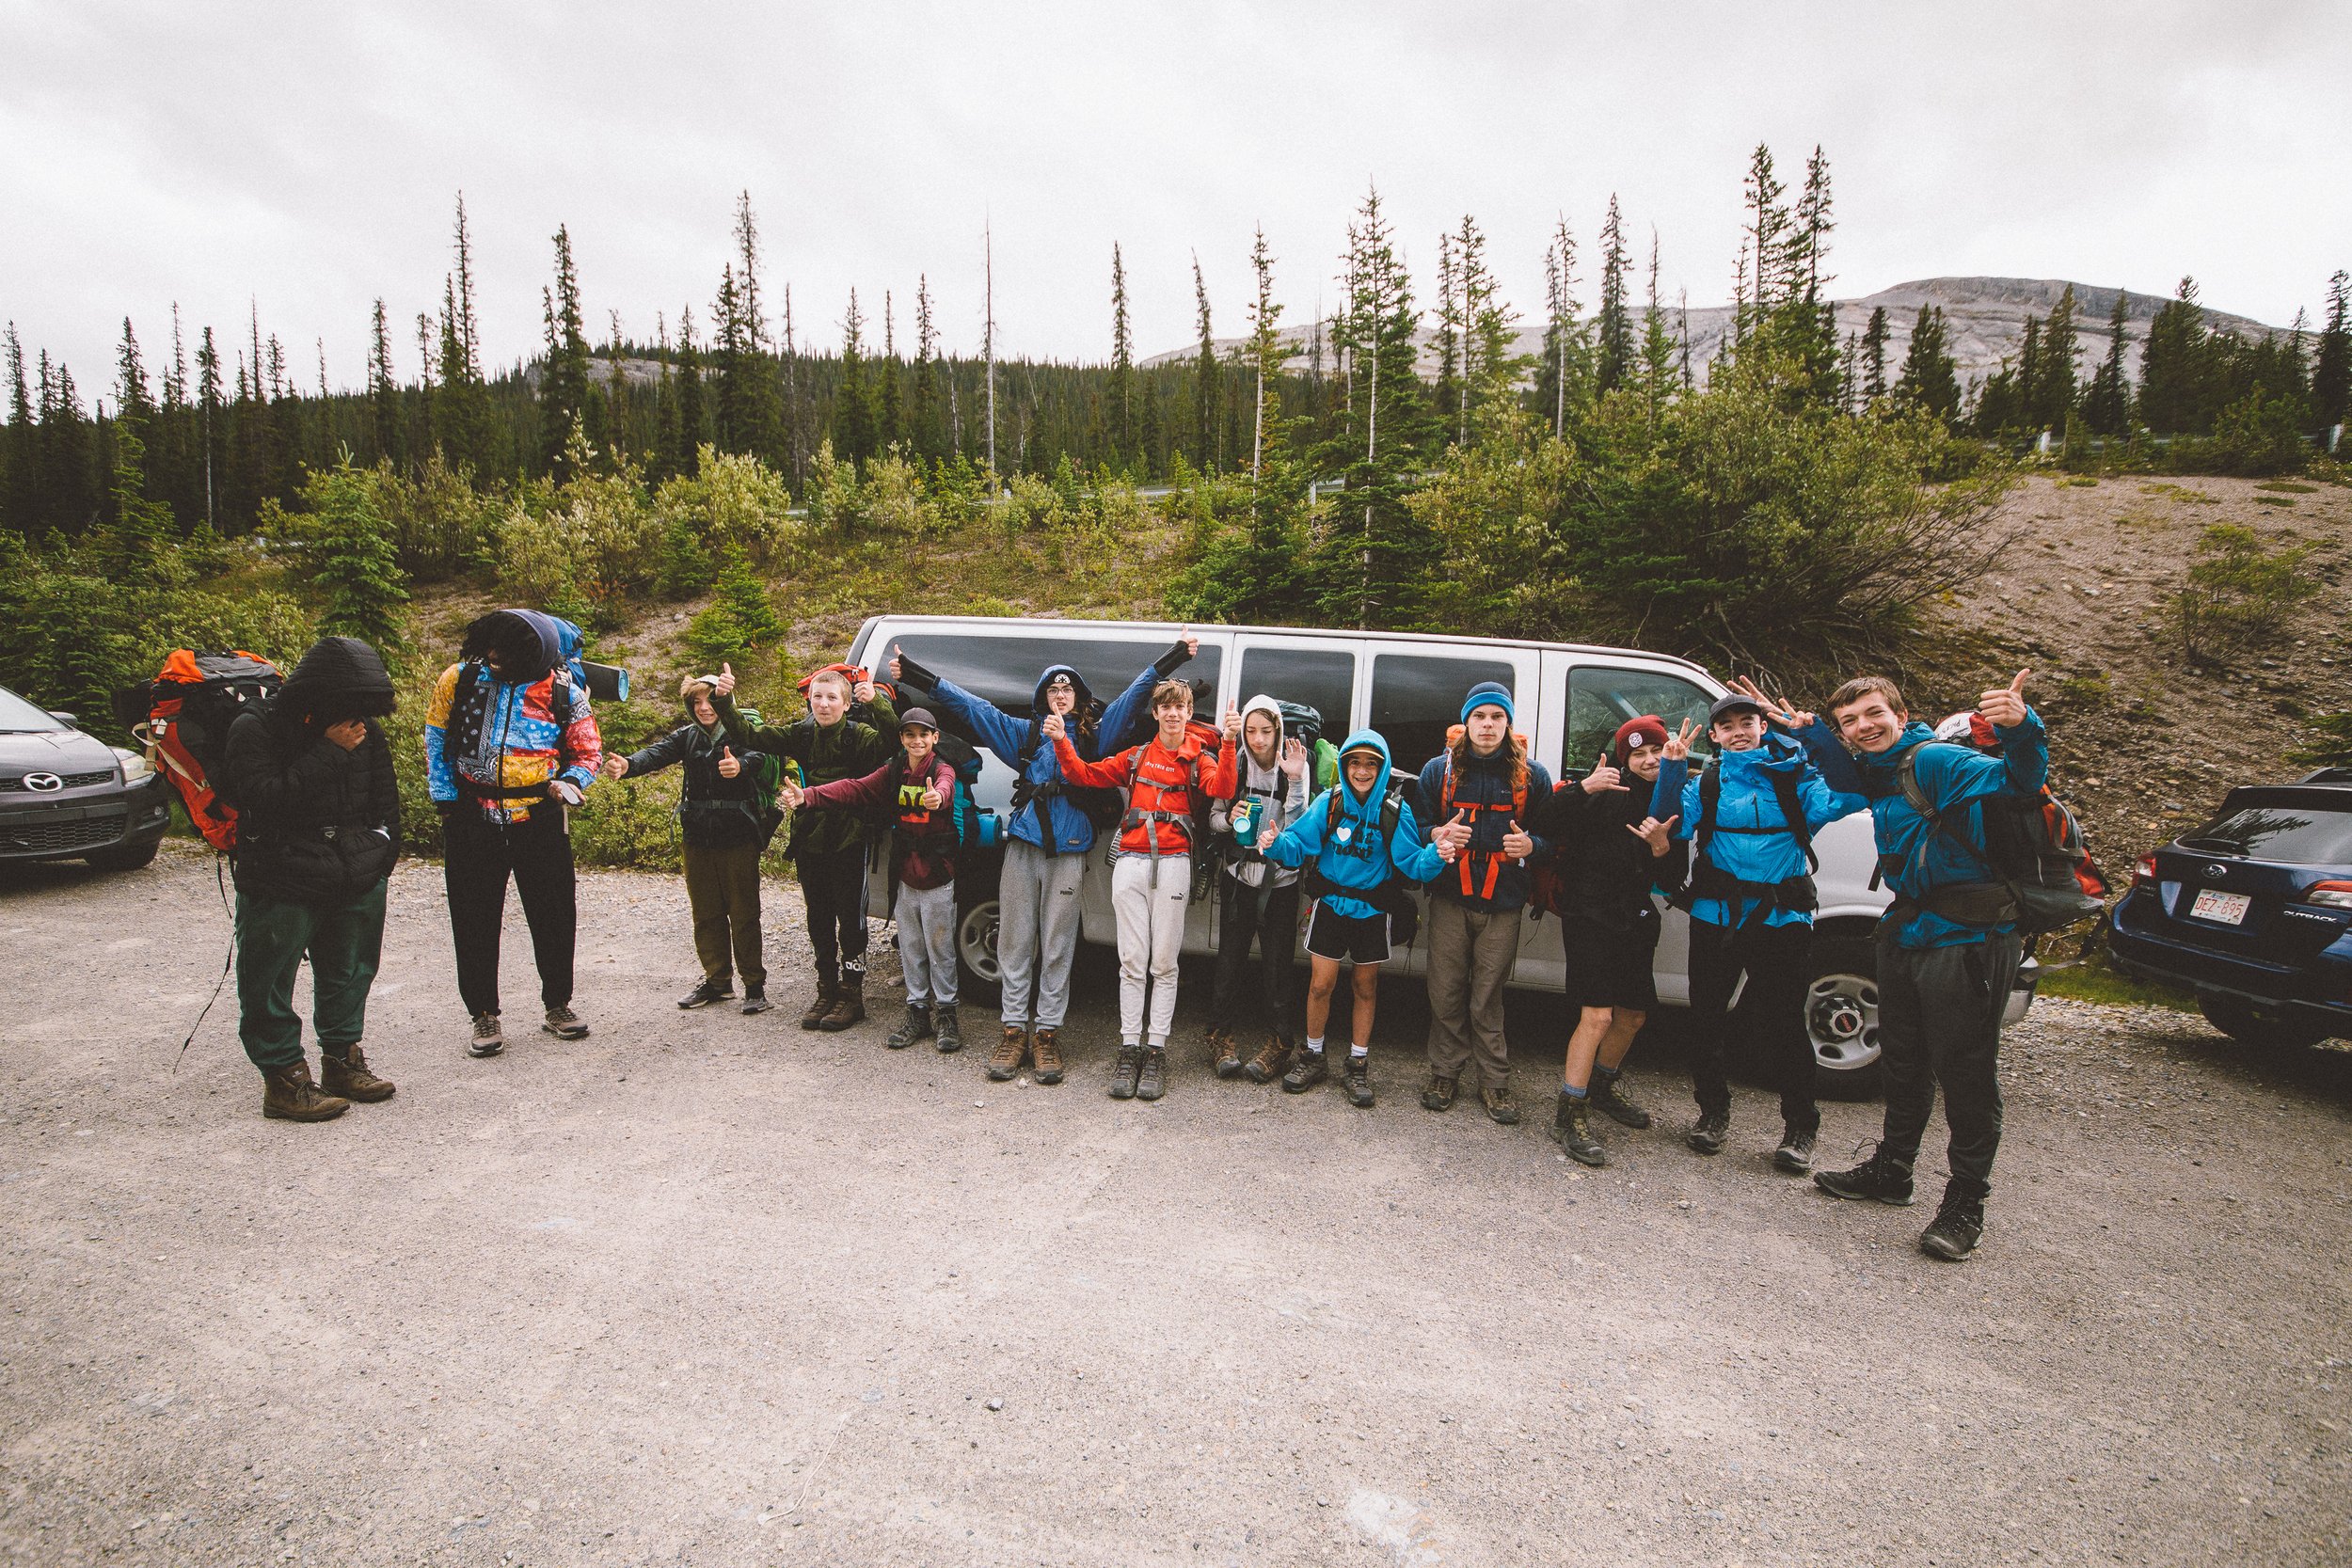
(1956, 779)
(1060, 828)
(1751, 840)
(1351, 854)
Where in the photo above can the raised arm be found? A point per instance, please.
(1112, 773)
(1111, 733)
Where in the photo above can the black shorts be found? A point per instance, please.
(1346, 938)
(1611, 968)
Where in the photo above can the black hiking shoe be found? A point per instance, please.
(755, 1000)
(1880, 1178)
(1125, 1071)
(706, 993)
(1795, 1153)
(1958, 1227)
(1611, 1101)
(1312, 1068)
(1709, 1136)
(1151, 1082)
(1439, 1095)
(950, 1030)
(916, 1027)
(1572, 1130)
(1356, 1080)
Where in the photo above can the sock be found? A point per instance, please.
(1358, 1053)
(1569, 1091)
(1314, 1045)
(1605, 1077)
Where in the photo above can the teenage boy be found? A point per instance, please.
(318, 829)
(1949, 947)
(722, 832)
(1151, 868)
(1478, 791)
(1257, 901)
(510, 747)
(1361, 841)
(828, 843)
(914, 792)
(1037, 935)
(1612, 850)
(1750, 819)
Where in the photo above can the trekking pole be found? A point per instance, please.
(227, 962)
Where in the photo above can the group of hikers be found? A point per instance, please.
(512, 746)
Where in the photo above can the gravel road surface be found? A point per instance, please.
(707, 1289)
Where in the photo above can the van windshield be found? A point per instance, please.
(1004, 670)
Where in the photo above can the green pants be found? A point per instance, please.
(345, 943)
(723, 890)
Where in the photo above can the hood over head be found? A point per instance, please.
(338, 679)
(1365, 740)
(1272, 709)
(1086, 692)
(535, 640)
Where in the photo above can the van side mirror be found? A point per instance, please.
(61, 715)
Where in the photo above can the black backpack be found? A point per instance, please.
(2043, 877)
(1394, 896)
(1104, 808)
(1709, 880)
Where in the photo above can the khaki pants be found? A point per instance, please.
(1470, 953)
(723, 890)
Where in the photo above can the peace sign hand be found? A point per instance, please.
(2005, 706)
(1678, 744)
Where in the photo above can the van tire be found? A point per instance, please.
(979, 977)
(1841, 1006)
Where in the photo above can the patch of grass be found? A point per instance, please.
(2081, 482)
(2099, 981)
(2179, 492)
(2273, 501)
(2288, 486)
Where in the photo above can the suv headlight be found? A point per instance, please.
(135, 767)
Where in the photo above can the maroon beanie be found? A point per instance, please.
(1648, 729)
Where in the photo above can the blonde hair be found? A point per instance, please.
(696, 686)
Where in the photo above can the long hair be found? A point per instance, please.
(1513, 746)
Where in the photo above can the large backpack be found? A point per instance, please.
(182, 716)
(1519, 777)
(2043, 877)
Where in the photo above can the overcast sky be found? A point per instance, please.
(307, 157)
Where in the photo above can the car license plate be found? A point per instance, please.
(2223, 909)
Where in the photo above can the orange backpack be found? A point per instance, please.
(183, 718)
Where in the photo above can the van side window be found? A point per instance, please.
(1004, 670)
(1417, 698)
(1323, 679)
(1600, 699)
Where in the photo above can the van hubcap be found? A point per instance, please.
(976, 942)
(1841, 1015)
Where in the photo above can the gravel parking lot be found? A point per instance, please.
(707, 1290)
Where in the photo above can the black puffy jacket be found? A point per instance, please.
(714, 812)
(316, 824)
(1605, 872)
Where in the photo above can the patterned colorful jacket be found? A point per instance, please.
(521, 740)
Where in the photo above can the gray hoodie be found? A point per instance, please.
(1281, 796)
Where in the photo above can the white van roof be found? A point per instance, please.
(1170, 630)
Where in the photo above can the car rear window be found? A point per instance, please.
(2296, 833)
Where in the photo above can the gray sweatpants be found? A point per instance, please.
(927, 943)
(1037, 933)
(1150, 895)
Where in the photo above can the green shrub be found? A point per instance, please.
(731, 500)
(738, 619)
(2257, 436)
(2238, 594)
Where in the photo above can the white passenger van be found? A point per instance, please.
(1569, 698)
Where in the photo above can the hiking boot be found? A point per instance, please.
(916, 1027)
(488, 1039)
(1004, 1061)
(1611, 1102)
(1958, 1227)
(1125, 1071)
(1439, 1095)
(950, 1031)
(563, 1024)
(755, 1000)
(344, 1071)
(1044, 1056)
(1312, 1068)
(1151, 1082)
(1272, 1060)
(848, 1003)
(1356, 1080)
(1795, 1153)
(706, 993)
(1880, 1178)
(1500, 1105)
(288, 1094)
(1228, 1048)
(827, 993)
(1572, 1130)
(1709, 1136)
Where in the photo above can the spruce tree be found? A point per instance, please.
(759, 406)
(348, 557)
(1119, 395)
(2172, 368)
(2332, 367)
(694, 414)
(1562, 378)
(1656, 378)
(2052, 386)
(563, 377)
(1613, 329)
(852, 404)
(1769, 236)
(1453, 409)
(211, 425)
(1874, 356)
(923, 426)
(20, 497)
(1929, 378)
(889, 411)
(2106, 403)
(1204, 380)
(383, 394)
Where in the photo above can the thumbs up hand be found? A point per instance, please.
(933, 799)
(789, 795)
(1454, 835)
(2005, 706)
(1604, 777)
(1232, 724)
(896, 671)
(1051, 727)
(730, 765)
(1191, 640)
(724, 685)
(1518, 843)
(615, 765)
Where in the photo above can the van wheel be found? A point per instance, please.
(125, 857)
(982, 977)
(2251, 1023)
(1841, 1018)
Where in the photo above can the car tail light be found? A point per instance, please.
(2145, 872)
(2330, 896)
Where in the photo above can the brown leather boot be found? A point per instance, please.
(344, 1071)
(848, 1001)
(828, 992)
(288, 1094)
(1225, 1050)
(1272, 1060)
(1046, 1055)
(1004, 1063)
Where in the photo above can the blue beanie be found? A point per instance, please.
(1486, 692)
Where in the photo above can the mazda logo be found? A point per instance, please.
(44, 784)
(2216, 871)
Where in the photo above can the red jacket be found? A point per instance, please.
(1159, 784)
